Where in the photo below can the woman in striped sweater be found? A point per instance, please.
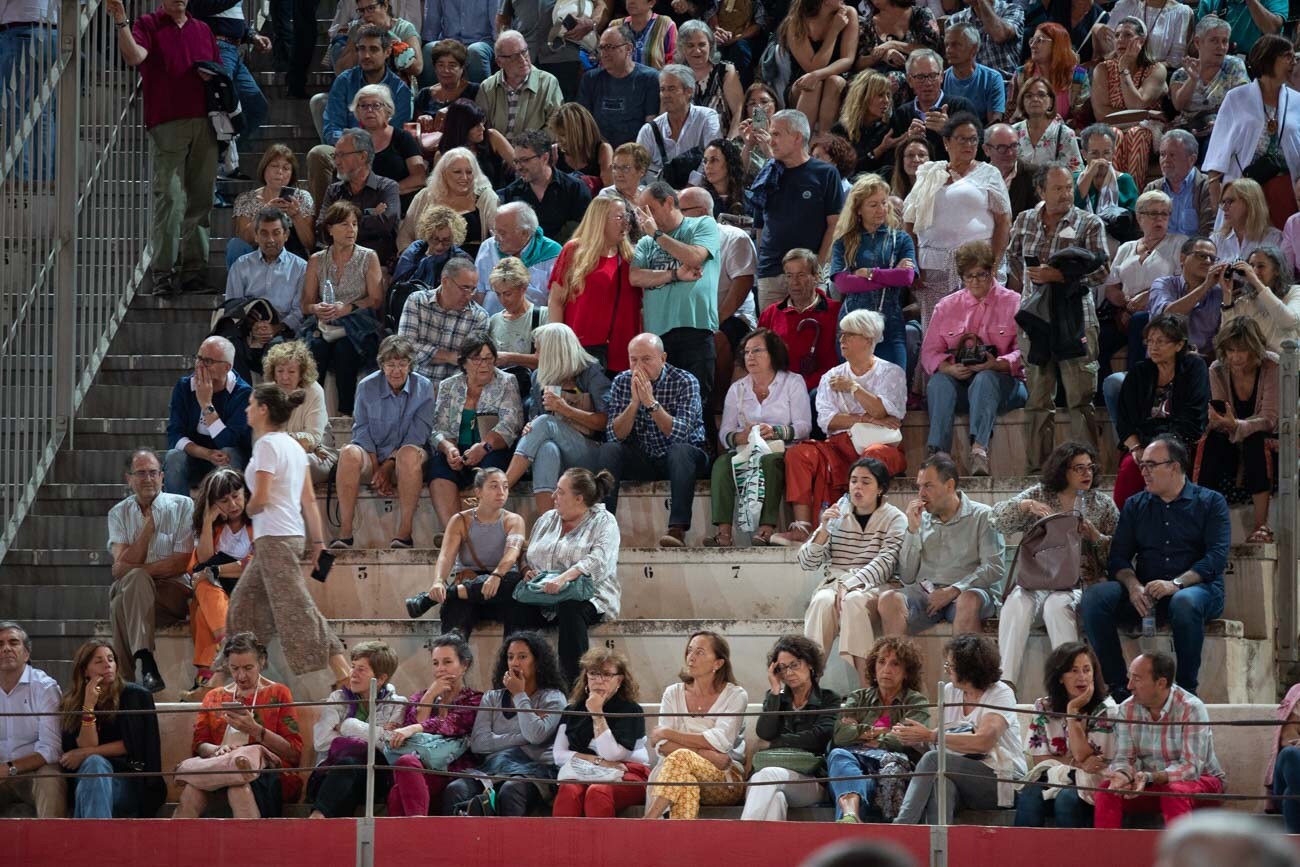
(857, 545)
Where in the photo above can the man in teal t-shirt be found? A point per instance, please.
(676, 265)
(1241, 15)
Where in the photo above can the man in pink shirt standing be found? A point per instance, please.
(165, 45)
(971, 355)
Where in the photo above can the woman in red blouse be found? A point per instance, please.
(427, 712)
(590, 290)
(220, 729)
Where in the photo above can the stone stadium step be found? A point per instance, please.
(180, 337)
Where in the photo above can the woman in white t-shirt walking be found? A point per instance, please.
(271, 597)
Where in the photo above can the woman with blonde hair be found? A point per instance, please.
(291, 366)
(591, 291)
(1245, 223)
(457, 182)
(100, 741)
(581, 148)
(440, 235)
(511, 328)
(864, 121)
(873, 260)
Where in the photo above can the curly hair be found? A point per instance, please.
(801, 648)
(1056, 468)
(975, 660)
(1059, 664)
(839, 152)
(290, 351)
(442, 217)
(599, 657)
(75, 694)
(906, 652)
(546, 664)
(735, 174)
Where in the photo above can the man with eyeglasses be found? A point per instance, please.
(1196, 293)
(438, 321)
(391, 423)
(150, 537)
(518, 96)
(621, 94)
(533, 21)
(379, 199)
(558, 198)
(518, 234)
(206, 425)
(930, 109)
(1187, 186)
(1002, 147)
(1167, 559)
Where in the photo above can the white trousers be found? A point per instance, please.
(769, 803)
(852, 622)
(1021, 611)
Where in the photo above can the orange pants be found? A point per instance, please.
(207, 621)
(817, 473)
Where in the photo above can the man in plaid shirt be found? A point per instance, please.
(1177, 758)
(1037, 235)
(438, 321)
(656, 430)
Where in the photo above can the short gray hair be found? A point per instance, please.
(379, 92)
(272, 215)
(682, 73)
(1209, 24)
(227, 348)
(509, 34)
(803, 254)
(1098, 129)
(796, 120)
(1184, 138)
(362, 141)
(459, 265)
(972, 32)
(1208, 838)
(867, 323)
(10, 626)
(923, 54)
(526, 215)
(690, 28)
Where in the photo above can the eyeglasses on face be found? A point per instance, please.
(966, 139)
(1156, 215)
(1084, 468)
(146, 474)
(204, 361)
(976, 276)
(1002, 148)
(792, 665)
(523, 161)
(518, 55)
(1150, 466)
(610, 49)
(481, 359)
(371, 106)
(925, 76)
(603, 675)
(396, 364)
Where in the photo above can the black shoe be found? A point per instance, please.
(152, 681)
(196, 285)
(165, 285)
(418, 605)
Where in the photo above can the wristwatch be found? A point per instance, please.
(13, 769)
(209, 409)
(1178, 582)
(652, 407)
(659, 233)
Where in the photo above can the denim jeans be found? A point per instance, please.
(1106, 605)
(682, 465)
(236, 247)
(846, 763)
(252, 102)
(1110, 388)
(553, 446)
(1070, 810)
(1286, 781)
(986, 395)
(101, 797)
(25, 74)
(893, 342)
(182, 471)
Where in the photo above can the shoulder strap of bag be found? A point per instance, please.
(663, 148)
(469, 542)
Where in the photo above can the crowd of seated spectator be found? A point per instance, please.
(611, 254)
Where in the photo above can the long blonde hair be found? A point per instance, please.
(849, 227)
(867, 85)
(438, 177)
(1257, 219)
(588, 245)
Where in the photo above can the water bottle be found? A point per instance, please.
(327, 295)
(1149, 625)
(1078, 504)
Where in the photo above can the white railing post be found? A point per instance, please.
(939, 831)
(366, 825)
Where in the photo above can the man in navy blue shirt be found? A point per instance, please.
(1166, 559)
(621, 94)
(206, 425)
(797, 202)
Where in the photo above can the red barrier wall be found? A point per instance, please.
(533, 843)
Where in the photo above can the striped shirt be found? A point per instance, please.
(867, 554)
(1184, 751)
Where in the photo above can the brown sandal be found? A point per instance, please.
(718, 540)
(1263, 535)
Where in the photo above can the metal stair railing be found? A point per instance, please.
(74, 218)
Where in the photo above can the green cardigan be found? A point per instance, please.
(864, 706)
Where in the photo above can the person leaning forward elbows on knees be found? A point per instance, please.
(206, 422)
(31, 748)
(952, 559)
(1167, 559)
(655, 429)
(150, 536)
(1175, 760)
